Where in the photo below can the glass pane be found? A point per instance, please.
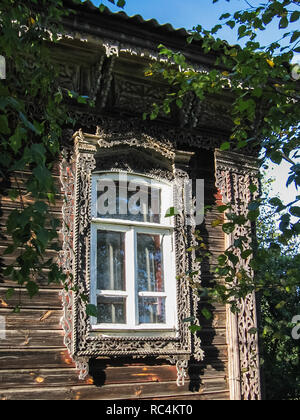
(152, 310)
(133, 201)
(111, 310)
(110, 260)
(149, 263)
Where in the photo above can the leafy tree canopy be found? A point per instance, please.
(265, 113)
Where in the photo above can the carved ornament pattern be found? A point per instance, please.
(79, 339)
(234, 175)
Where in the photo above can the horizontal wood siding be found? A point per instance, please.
(34, 364)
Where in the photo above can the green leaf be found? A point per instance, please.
(216, 28)
(91, 310)
(195, 328)
(283, 23)
(206, 313)
(253, 206)
(233, 258)
(13, 194)
(241, 31)
(276, 157)
(225, 15)
(121, 3)
(253, 215)
(228, 228)
(280, 304)
(295, 16)
(221, 209)
(231, 24)
(242, 144)
(294, 37)
(32, 288)
(28, 124)
(15, 140)
(38, 152)
(253, 188)
(41, 207)
(253, 331)
(222, 259)
(216, 223)
(246, 254)
(43, 175)
(257, 92)
(9, 250)
(9, 293)
(295, 211)
(275, 247)
(276, 202)
(82, 100)
(225, 146)
(284, 222)
(172, 211)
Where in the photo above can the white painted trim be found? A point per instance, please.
(131, 229)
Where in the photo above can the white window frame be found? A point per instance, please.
(131, 229)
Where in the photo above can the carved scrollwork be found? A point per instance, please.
(234, 175)
(124, 129)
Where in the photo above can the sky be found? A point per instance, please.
(190, 13)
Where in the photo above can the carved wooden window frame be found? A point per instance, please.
(152, 158)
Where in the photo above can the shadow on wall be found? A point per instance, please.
(213, 333)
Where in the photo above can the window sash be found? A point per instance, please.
(131, 294)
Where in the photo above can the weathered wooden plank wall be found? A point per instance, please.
(34, 363)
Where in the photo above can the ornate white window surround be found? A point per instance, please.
(147, 157)
(130, 281)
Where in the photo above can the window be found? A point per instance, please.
(123, 252)
(133, 278)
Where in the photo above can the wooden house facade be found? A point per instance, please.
(52, 350)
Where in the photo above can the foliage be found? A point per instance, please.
(264, 90)
(265, 113)
(280, 352)
(119, 3)
(33, 114)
